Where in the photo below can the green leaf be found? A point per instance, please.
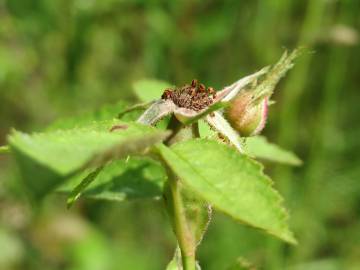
(47, 159)
(149, 89)
(76, 192)
(120, 180)
(259, 147)
(231, 182)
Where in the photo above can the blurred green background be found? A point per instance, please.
(65, 57)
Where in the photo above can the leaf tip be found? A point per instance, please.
(290, 239)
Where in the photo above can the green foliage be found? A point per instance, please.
(93, 155)
(63, 58)
(47, 159)
(120, 180)
(76, 192)
(230, 182)
(259, 147)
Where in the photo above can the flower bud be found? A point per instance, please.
(246, 115)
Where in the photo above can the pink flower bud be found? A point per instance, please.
(246, 115)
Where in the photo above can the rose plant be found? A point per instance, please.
(194, 147)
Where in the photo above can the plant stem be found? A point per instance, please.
(180, 223)
(182, 230)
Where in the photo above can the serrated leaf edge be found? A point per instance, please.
(284, 216)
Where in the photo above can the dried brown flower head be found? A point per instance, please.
(193, 96)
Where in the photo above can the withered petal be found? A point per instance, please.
(157, 111)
